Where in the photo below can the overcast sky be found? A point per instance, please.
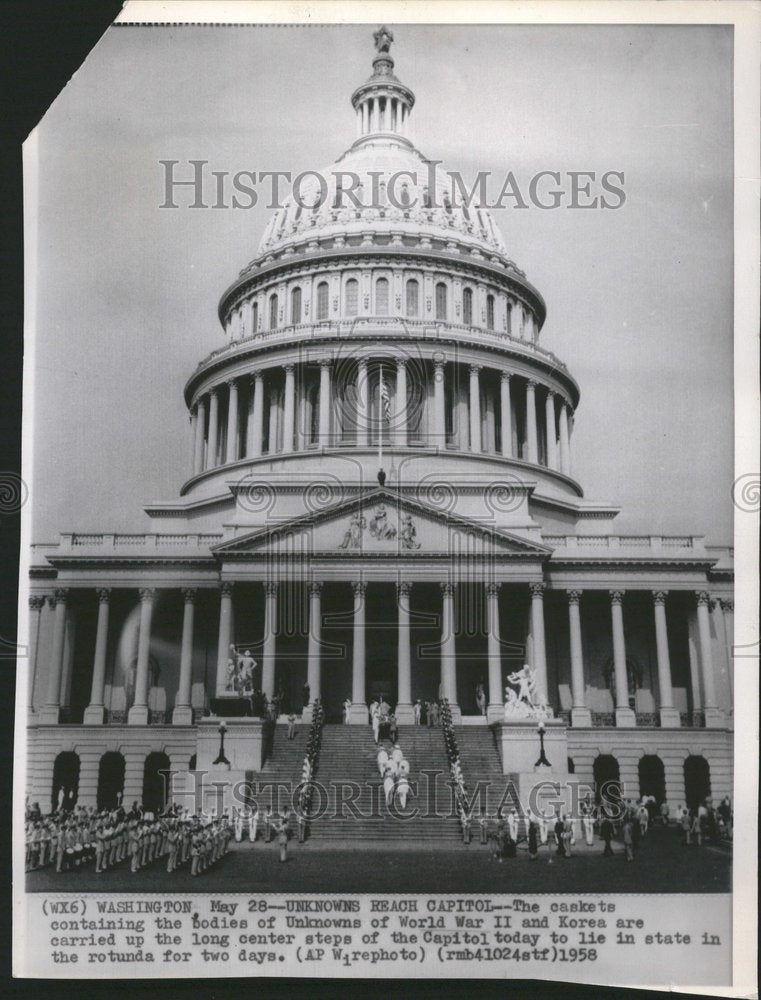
(639, 300)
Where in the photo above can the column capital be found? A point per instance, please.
(325, 363)
(505, 375)
(104, 595)
(189, 595)
(213, 391)
(703, 597)
(726, 604)
(492, 589)
(616, 596)
(531, 383)
(37, 602)
(659, 596)
(289, 369)
(475, 369)
(230, 382)
(439, 364)
(147, 595)
(537, 589)
(256, 376)
(226, 588)
(359, 587)
(447, 589)
(270, 588)
(403, 589)
(551, 393)
(574, 596)
(315, 588)
(60, 596)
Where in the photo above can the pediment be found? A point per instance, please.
(381, 522)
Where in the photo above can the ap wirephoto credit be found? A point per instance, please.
(379, 568)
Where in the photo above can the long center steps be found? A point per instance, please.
(349, 758)
(482, 761)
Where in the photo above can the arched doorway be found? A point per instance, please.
(652, 777)
(156, 782)
(697, 780)
(110, 780)
(65, 780)
(607, 778)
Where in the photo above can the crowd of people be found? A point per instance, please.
(73, 839)
(394, 768)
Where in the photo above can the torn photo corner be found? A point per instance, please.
(380, 604)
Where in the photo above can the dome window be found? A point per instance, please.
(489, 312)
(413, 298)
(381, 297)
(273, 311)
(351, 297)
(322, 301)
(296, 306)
(255, 317)
(467, 307)
(441, 301)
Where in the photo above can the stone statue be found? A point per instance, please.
(379, 526)
(529, 702)
(383, 38)
(353, 537)
(408, 533)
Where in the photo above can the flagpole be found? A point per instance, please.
(380, 419)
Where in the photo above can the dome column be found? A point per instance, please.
(625, 717)
(565, 443)
(531, 442)
(212, 445)
(401, 403)
(358, 712)
(94, 713)
(270, 639)
(362, 403)
(539, 649)
(183, 713)
(506, 429)
(138, 714)
(404, 712)
(255, 443)
(325, 404)
(313, 648)
(669, 715)
(232, 422)
(200, 430)
(439, 412)
(475, 409)
(552, 446)
(289, 406)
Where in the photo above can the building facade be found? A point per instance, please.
(380, 500)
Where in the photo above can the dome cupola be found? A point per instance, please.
(382, 104)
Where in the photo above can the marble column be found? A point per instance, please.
(95, 711)
(439, 437)
(358, 714)
(224, 639)
(256, 443)
(539, 647)
(404, 712)
(36, 604)
(714, 716)
(531, 442)
(580, 713)
(363, 403)
(183, 711)
(449, 651)
(314, 679)
(274, 426)
(669, 715)
(212, 446)
(289, 407)
(401, 403)
(475, 409)
(495, 711)
(232, 422)
(565, 442)
(552, 446)
(727, 616)
(49, 713)
(193, 416)
(270, 639)
(323, 430)
(200, 431)
(625, 716)
(506, 429)
(138, 714)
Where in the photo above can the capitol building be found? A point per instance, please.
(380, 502)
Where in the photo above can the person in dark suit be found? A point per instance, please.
(606, 832)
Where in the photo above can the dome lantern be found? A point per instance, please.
(382, 104)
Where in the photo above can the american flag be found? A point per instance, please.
(385, 397)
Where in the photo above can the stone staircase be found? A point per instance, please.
(348, 758)
(482, 761)
(283, 764)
